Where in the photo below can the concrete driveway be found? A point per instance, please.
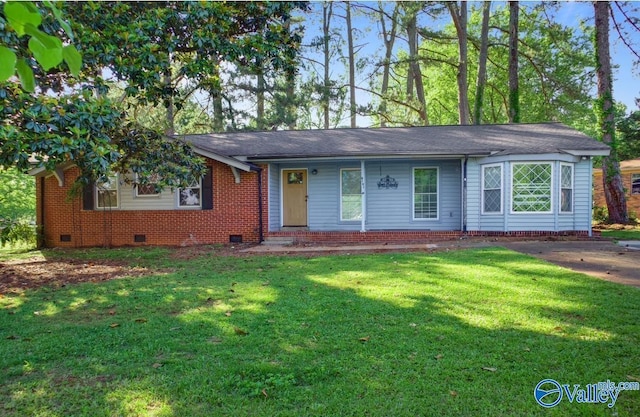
(600, 258)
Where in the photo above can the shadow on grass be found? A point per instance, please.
(460, 333)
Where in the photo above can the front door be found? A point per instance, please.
(294, 197)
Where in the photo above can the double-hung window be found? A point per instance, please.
(492, 189)
(531, 187)
(566, 188)
(150, 189)
(107, 192)
(350, 194)
(190, 197)
(635, 184)
(425, 193)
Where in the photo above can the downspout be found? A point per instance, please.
(590, 199)
(260, 222)
(464, 194)
(40, 228)
(363, 226)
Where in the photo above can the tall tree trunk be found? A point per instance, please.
(389, 40)
(459, 16)
(352, 67)
(414, 65)
(482, 63)
(260, 97)
(612, 181)
(290, 76)
(514, 90)
(327, 11)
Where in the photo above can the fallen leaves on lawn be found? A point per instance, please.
(453, 393)
(215, 340)
(157, 365)
(227, 313)
(490, 369)
(114, 325)
(439, 356)
(240, 332)
(141, 320)
(364, 339)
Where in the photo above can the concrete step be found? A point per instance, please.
(278, 240)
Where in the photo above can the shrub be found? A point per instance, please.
(17, 230)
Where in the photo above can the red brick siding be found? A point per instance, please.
(633, 200)
(393, 236)
(235, 212)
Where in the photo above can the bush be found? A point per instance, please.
(17, 230)
(600, 214)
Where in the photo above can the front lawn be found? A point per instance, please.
(460, 333)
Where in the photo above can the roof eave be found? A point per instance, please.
(231, 161)
(587, 152)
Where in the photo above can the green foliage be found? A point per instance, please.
(17, 230)
(17, 194)
(20, 20)
(553, 86)
(628, 136)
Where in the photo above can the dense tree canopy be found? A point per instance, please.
(157, 50)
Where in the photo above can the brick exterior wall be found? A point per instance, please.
(409, 236)
(633, 200)
(235, 212)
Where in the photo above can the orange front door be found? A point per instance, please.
(294, 197)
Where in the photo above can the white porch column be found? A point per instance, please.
(363, 187)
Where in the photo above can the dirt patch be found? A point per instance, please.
(37, 271)
(599, 258)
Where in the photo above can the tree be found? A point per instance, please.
(514, 89)
(459, 17)
(612, 181)
(153, 49)
(414, 77)
(629, 136)
(482, 63)
(17, 194)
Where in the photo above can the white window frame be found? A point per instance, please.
(482, 207)
(198, 185)
(413, 195)
(137, 189)
(637, 178)
(113, 180)
(551, 188)
(342, 219)
(572, 188)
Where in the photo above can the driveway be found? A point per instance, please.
(600, 258)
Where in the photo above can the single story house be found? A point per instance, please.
(344, 185)
(630, 171)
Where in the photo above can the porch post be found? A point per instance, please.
(363, 187)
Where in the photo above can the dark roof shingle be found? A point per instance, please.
(430, 140)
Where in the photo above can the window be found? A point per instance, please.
(425, 193)
(190, 196)
(531, 188)
(635, 183)
(150, 189)
(350, 194)
(492, 189)
(566, 188)
(107, 192)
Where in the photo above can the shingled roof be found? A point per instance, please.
(508, 139)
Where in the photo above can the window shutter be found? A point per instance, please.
(207, 190)
(88, 197)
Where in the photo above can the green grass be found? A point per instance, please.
(461, 333)
(628, 234)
